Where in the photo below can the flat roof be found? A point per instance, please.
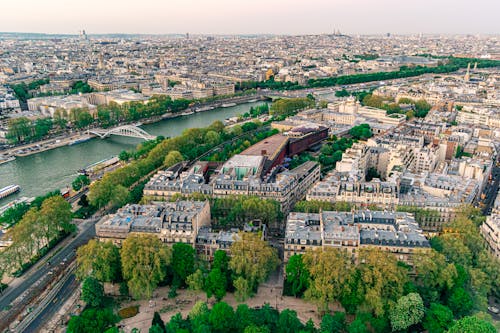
(269, 147)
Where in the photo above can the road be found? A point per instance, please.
(491, 190)
(86, 233)
(51, 310)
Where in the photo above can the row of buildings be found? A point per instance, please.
(189, 222)
(257, 171)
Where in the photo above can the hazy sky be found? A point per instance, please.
(250, 16)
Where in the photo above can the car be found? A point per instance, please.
(493, 309)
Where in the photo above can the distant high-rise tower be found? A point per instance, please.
(187, 35)
(83, 35)
(467, 74)
(388, 34)
(101, 62)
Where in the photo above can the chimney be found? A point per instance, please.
(263, 152)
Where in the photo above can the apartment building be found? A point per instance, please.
(172, 222)
(394, 232)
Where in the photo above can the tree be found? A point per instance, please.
(157, 321)
(172, 158)
(297, 275)
(92, 292)
(330, 270)
(100, 260)
(288, 322)
(357, 326)
(183, 256)
(242, 288)
(212, 138)
(408, 311)
(438, 318)
(144, 261)
(157, 329)
(92, 320)
(198, 317)
(119, 196)
(124, 156)
(56, 212)
(256, 329)
(80, 181)
(222, 318)
(216, 284)
(472, 324)
(433, 274)
(382, 278)
(361, 132)
(196, 281)
(253, 259)
(335, 323)
(460, 302)
(20, 129)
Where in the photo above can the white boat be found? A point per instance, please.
(5, 159)
(8, 190)
(205, 108)
(226, 105)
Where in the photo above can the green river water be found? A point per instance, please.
(56, 168)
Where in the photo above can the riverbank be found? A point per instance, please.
(56, 168)
(53, 143)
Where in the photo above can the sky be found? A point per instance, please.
(251, 16)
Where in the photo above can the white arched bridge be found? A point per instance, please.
(127, 130)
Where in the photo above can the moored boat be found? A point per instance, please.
(8, 190)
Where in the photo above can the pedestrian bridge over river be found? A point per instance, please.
(126, 130)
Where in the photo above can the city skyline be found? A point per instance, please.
(258, 17)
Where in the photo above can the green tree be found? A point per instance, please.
(212, 138)
(297, 275)
(196, 281)
(222, 318)
(19, 130)
(330, 270)
(335, 323)
(183, 256)
(198, 317)
(124, 156)
(157, 329)
(383, 280)
(253, 259)
(144, 262)
(56, 214)
(92, 292)
(120, 195)
(288, 322)
(172, 158)
(472, 324)
(460, 302)
(361, 132)
(438, 318)
(357, 326)
(100, 260)
(242, 287)
(434, 275)
(157, 321)
(80, 181)
(408, 311)
(92, 320)
(216, 284)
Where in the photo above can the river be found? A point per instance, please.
(55, 169)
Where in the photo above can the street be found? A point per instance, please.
(58, 301)
(37, 276)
